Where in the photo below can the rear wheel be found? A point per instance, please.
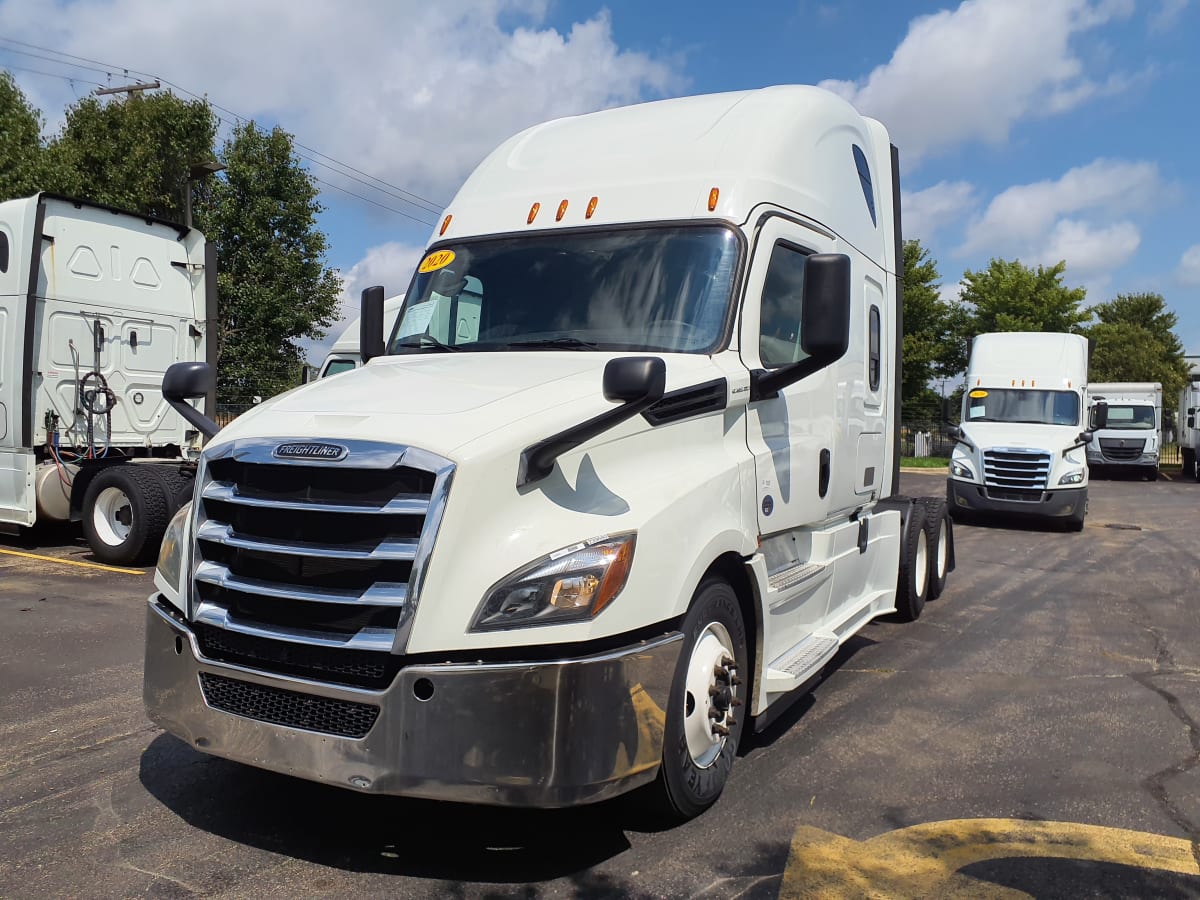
(125, 513)
(912, 588)
(1189, 462)
(1151, 473)
(705, 715)
(938, 531)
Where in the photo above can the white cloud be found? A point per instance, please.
(1087, 218)
(1167, 15)
(929, 210)
(413, 92)
(971, 73)
(1189, 266)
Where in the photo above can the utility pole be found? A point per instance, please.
(128, 89)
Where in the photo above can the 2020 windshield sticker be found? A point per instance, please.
(978, 395)
(438, 259)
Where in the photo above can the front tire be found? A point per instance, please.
(125, 513)
(705, 715)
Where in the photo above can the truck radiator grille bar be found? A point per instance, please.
(1122, 449)
(343, 718)
(1016, 469)
(313, 568)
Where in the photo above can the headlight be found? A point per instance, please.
(1071, 478)
(568, 585)
(961, 470)
(169, 572)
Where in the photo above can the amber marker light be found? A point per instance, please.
(712, 198)
(445, 225)
(562, 211)
(591, 207)
(533, 211)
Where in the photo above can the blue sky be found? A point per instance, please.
(1037, 129)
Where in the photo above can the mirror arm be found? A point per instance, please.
(537, 460)
(766, 384)
(207, 426)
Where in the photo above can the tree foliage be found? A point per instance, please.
(1135, 340)
(20, 142)
(134, 153)
(1010, 296)
(273, 285)
(931, 328)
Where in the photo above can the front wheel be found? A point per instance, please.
(705, 715)
(125, 513)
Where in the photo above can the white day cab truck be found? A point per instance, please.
(619, 485)
(1189, 433)
(95, 305)
(1020, 441)
(1131, 438)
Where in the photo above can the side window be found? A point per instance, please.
(873, 350)
(864, 178)
(337, 367)
(779, 319)
(3, 252)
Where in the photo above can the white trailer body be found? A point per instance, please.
(95, 305)
(1132, 435)
(622, 482)
(344, 354)
(1020, 448)
(1188, 424)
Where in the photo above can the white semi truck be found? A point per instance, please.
(343, 354)
(1132, 435)
(95, 305)
(618, 487)
(1189, 432)
(1021, 440)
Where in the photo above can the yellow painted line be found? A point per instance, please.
(924, 860)
(73, 562)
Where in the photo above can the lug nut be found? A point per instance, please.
(715, 713)
(720, 729)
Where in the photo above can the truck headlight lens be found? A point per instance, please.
(961, 470)
(1071, 478)
(569, 585)
(169, 571)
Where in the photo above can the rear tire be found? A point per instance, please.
(939, 531)
(697, 758)
(912, 588)
(125, 513)
(1189, 462)
(1151, 473)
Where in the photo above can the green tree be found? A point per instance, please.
(273, 285)
(1010, 296)
(21, 163)
(930, 328)
(1135, 340)
(134, 153)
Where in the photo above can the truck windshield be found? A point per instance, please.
(1018, 405)
(1127, 416)
(661, 289)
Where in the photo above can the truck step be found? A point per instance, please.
(791, 669)
(794, 575)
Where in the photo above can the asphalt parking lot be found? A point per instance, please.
(1035, 733)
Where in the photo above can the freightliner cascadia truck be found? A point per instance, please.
(1020, 448)
(617, 487)
(95, 305)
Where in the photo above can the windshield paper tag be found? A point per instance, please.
(417, 318)
(975, 395)
(439, 259)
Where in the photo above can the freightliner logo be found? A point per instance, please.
(324, 452)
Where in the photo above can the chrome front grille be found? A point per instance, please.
(325, 554)
(1016, 469)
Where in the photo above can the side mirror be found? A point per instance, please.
(185, 381)
(370, 324)
(825, 313)
(632, 378)
(1085, 437)
(952, 430)
(1099, 417)
(1191, 421)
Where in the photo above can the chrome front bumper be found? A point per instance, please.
(542, 734)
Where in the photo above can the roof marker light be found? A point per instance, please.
(712, 198)
(562, 211)
(1033, 384)
(591, 207)
(445, 225)
(533, 211)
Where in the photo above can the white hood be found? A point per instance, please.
(1052, 438)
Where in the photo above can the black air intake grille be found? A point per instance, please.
(359, 668)
(289, 708)
(1121, 449)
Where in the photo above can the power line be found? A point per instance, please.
(10, 68)
(392, 190)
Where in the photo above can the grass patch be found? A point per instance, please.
(924, 462)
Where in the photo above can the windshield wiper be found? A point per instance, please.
(563, 342)
(425, 340)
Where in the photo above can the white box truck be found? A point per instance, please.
(95, 305)
(1189, 433)
(619, 485)
(1021, 437)
(1132, 434)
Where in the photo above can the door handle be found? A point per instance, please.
(823, 475)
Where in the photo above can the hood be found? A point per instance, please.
(442, 401)
(988, 435)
